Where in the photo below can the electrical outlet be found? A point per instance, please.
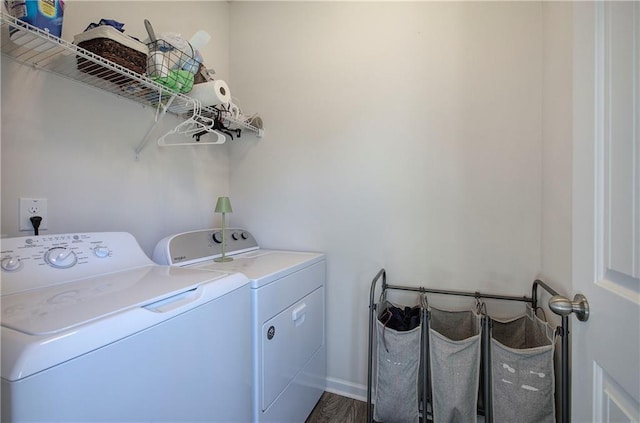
(30, 207)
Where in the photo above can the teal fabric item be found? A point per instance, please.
(177, 80)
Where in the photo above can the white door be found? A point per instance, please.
(606, 211)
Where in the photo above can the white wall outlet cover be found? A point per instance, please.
(30, 207)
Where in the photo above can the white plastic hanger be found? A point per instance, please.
(196, 124)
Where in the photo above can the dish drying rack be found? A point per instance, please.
(47, 52)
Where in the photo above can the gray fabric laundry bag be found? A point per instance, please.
(522, 374)
(398, 361)
(454, 357)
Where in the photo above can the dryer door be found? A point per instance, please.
(289, 340)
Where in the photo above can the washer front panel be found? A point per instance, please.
(194, 367)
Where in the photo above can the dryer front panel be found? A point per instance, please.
(289, 341)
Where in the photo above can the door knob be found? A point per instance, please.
(563, 306)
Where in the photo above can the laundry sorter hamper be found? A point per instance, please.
(454, 364)
(516, 361)
(399, 335)
(522, 370)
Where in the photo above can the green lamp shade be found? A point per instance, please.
(223, 205)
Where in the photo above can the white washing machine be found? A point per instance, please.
(287, 309)
(92, 330)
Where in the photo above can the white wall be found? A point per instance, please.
(557, 145)
(74, 145)
(557, 111)
(398, 135)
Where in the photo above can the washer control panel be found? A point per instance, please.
(39, 261)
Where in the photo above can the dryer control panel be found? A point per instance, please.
(197, 246)
(38, 261)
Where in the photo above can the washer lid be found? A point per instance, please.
(264, 266)
(45, 327)
(62, 307)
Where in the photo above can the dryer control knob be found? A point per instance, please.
(11, 264)
(60, 258)
(244, 235)
(101, 251)
(217, 237)
(235, 236)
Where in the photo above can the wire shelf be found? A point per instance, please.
(35, 47)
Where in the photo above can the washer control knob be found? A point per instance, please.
(101, 251)
(60, 258)
(235, 236)
(244, 235)
(217, 237)
(11, 264)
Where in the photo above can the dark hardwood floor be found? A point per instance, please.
(334, 408)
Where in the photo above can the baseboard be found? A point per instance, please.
(346, 389)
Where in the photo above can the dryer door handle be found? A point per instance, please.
(299, 312)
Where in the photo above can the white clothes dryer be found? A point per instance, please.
(92, 330)
(287, 311)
